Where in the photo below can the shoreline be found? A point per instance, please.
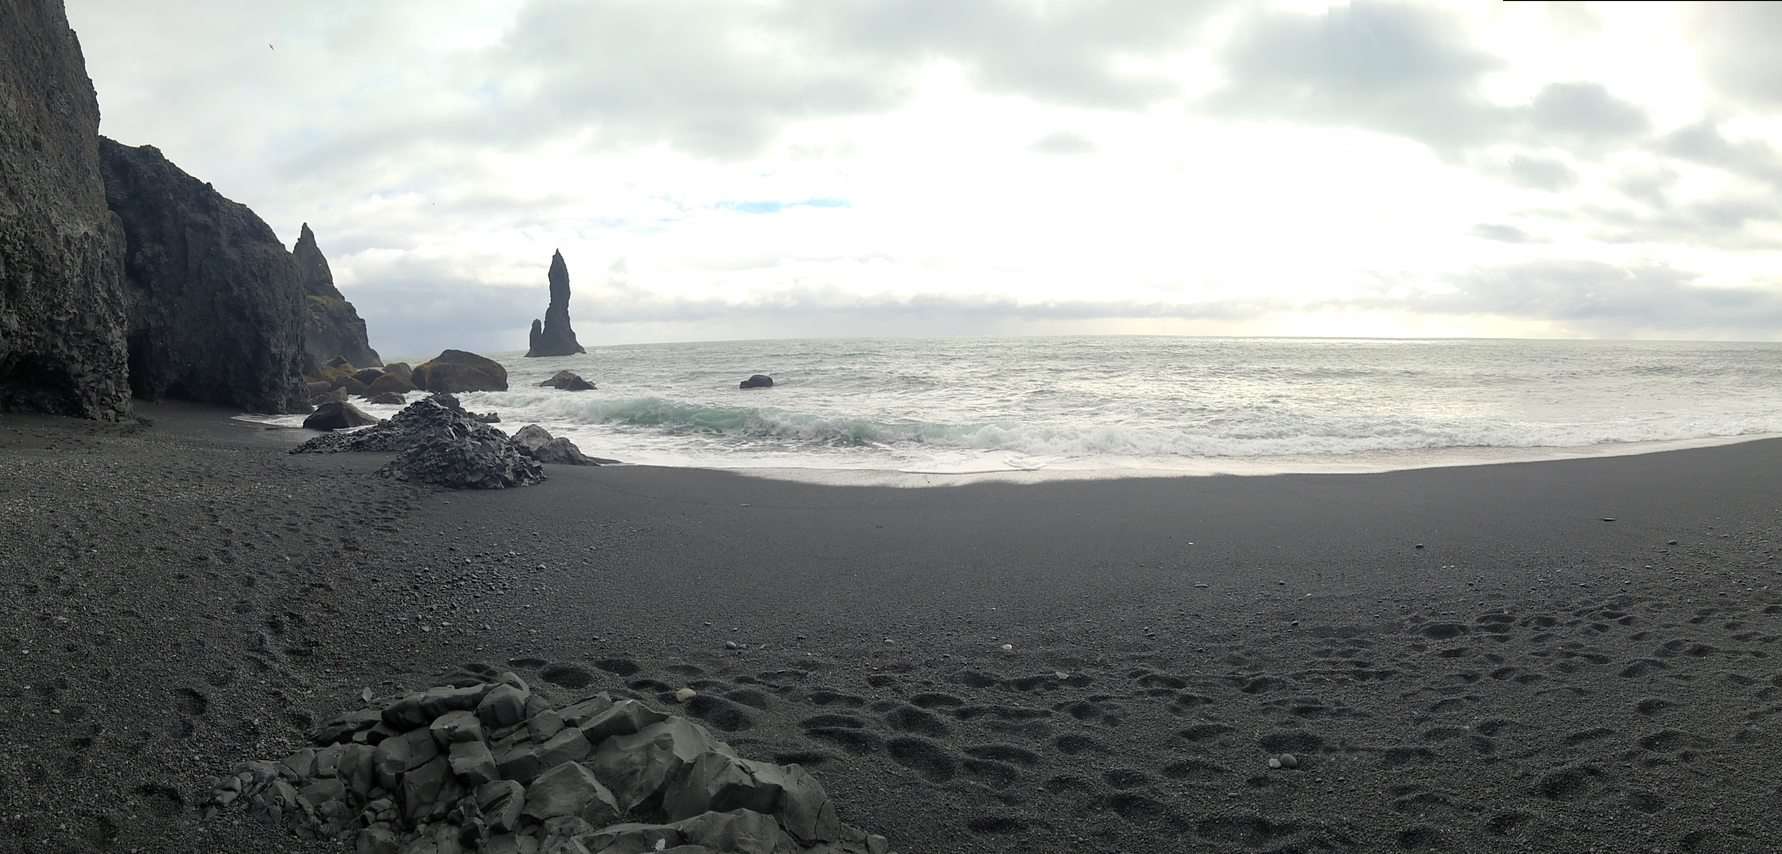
(1533, 678)
(1376, 462)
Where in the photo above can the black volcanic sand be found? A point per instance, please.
(1534, 678)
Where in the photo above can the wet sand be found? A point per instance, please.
(1533, 678)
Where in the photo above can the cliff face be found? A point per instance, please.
(331, 327)
(62, 310)
(215, 302)
(555, 337)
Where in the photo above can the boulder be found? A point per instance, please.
(538, 443)
(312, 389)
(402, 370)
(337, 415)
(756, 381)
(331, 327)
(567, 381)
(456, 371)
(719, 782)
(215, 301)
(636, 767)
(368, 375)
(554, 337)
(386, 398)
(322, 397)
(388, 383)
(63, 316)
(570, 791)
(486, 417)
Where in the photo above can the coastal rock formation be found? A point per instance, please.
(437, 442)
(538, 443)
(331, 326)
(495, 766)
(215, 302)
(756, 381)
(337, 415)
(567, 381)
(62, 306)
(388, 383)
(554, 337)
(454, 371)
(386, 398)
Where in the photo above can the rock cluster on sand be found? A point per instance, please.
(62, 347)
(554, 337)
(453, 371)
(493, 767)
(215, 301)
(567, 381)
(538, 443)
(331, 326)
(436, 441)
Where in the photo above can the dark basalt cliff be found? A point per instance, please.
(554, 337)
(62, 305)
(215, 303)
(331, 327)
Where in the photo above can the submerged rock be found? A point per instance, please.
(567, 381)
(538, 443)
(554, 337)
(331, 326)
(215, 301)
(456, 371)
(756, 381)
(337, 415)
(62, 303)
(605, 775)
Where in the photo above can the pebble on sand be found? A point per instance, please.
(685, 695)
(1008, 647)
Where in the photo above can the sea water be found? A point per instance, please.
(1071, 407)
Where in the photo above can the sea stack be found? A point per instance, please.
(554, 337)
(331, 326)
(62, 316)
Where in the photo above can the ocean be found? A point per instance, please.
(891, 410)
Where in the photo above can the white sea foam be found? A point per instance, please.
(1081, 404)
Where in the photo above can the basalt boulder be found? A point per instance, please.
(337, 415)
(215, 301)
(538, 443)
(456, 371)
(63, 311)
(756, 381)
(567, 381)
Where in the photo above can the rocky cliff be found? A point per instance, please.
(62, 310)
(215, 303)
(331, 327)
(555, 337)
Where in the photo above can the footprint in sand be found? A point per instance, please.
(924, 757)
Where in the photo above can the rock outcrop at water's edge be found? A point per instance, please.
(555, 337)
(437, 442)
(62, 307)
(331, 326)
(215, 303)
(567, 381)
(485, 763)
(454, 371)
(538, 443)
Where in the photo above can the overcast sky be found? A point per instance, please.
(731, 169)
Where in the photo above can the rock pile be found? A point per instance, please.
(436, 441)
(493, 767)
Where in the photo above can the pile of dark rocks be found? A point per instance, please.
(493, 767)
(436, 441)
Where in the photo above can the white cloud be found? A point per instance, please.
(798, 167)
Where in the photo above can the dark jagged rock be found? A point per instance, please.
(62, 305)
(455, 371)
(537, 443)
(554, 337)
(337, 415)
(437, 442)
(448, 779)
(756, 381)
(215, 301)
(567, 381)
(331, 326)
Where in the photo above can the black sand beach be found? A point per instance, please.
(1459, 659)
